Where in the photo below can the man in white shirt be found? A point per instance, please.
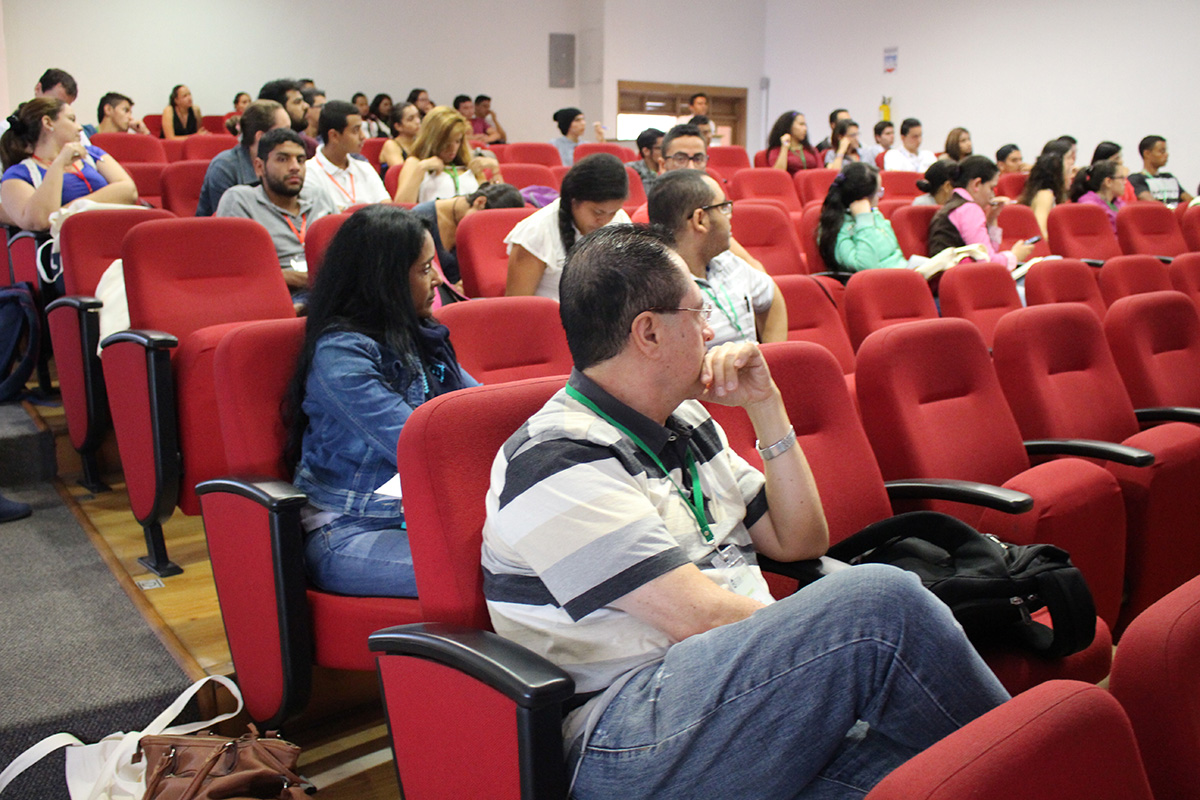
(909, 156)
(344, 180)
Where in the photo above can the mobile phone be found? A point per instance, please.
(1033, 240)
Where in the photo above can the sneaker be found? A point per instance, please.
(11, 510)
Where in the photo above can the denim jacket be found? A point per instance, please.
(358, 395)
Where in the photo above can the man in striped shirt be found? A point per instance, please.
(620, 544)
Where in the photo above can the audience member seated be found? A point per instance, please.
(690, 680)
(744, 304)
(698, 103)
(573, 125)
(835, 116)
(235, 166)
(363, 105)
(787, 144)
(314, 98)
(465, 106)
(958, 144)
(372, 353)
(47, 167)
(440, 164)
(54, 83)
(344, 180)
(115, 115)
(240, 101)
(591, 197)
(649, 166)
(1008, 159)
(885, 137)
(446, 215)
(288, 94)
(705, 126)
(937, 185)
(420, 99)
(908, 156)
(844, 144)
(181, 117)
(1111, 151)
(1152, 183)
(969, 216)
(1102, 184)
(486, 123)
(277, 204)
(380, 112)
(853, 234)
(406, 125)
(1048, 181)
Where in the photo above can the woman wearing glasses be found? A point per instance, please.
(592, 195)
(372, 353)
(787, 144)
(1102, 184)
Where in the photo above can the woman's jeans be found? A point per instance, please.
(362, 557)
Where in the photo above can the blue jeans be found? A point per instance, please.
(361, 557)
(817, 696)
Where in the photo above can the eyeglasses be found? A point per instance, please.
(704, 311)
(682, 159)
(725, 208)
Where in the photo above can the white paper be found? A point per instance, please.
(391, 488)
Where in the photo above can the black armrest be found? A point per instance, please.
(151, 340)
(270, 493)
(1165, 259)
(1093, 262)
(1090, 448)
(78, 302)
(1168, 414)
(841, 277)
(997, 498)
(521, 675)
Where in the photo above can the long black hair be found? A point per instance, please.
(363, 287)
(598, 178)
(1091, 178)
(1047, 173)
(856, 181)
(25, 128)
(1104, 151)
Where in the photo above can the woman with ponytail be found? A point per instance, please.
(853, 234)
(1102, 184)
(591, 197)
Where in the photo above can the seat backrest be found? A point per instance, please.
(932, 406)
(153, 124)
(482, 254)
(584, 149)
(637, 192)
(809, 223)
(813, 317)
(214, 123)
(1064, 280)
(445, 457)
(769, 235)
(911, 226)
(127, 148)
(1122, 276)
(181, 185)
(522, 175)
(900, 183)
(979, 293)
(261, 355)
(760, 159)
(186, 274)
(1081, 230)
(542, 153)
(1061, 740)
(317, 240)
(148, 180)
(888, 205)
(173, 148)
(813, 184)
(502, 339)
(1011, 184)
(1149, 228)
(1059, 377)
(559, 172)
(877, 298)
(1153, 677)
(1184, 272)
(371, 148)
(203, 148)
(91, 242)
(774, 183)
(1190, 225)
(728, 157)
(1018, 223)
(391, 179)
(1155, 340)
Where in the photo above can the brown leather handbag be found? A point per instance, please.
(208, 767)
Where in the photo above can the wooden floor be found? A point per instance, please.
(346, 752)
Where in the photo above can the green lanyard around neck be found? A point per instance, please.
(727, 308)
(696, 503)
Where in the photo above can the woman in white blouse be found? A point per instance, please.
(441, 164)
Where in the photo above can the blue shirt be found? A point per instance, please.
(74, 186)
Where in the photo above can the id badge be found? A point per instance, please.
(741, 576)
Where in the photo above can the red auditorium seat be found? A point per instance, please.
(1065, 280)
(559, 173)
(1081, 230)
(214, 123)
(317, 241)
(1155, 341)
(1017, 223)
(542, 153)
(278, 627)
(768, 234)
(371, 148)
(900, 184)
(911, 226)
(1064, 740)
(979, 293)
(637, 192)
(765, 183)
(131, 148)
(1149, 229)
(153, 124)
(1122, 276)
(584, 149)
(813, 184)
(1154, 679)
(888, 205)
(522, 175)
(1061, 382)
(173, 149)
(500, 151)
(1011, 184)
(1190, 226)
(877, 298)
(813, 317)
(728, 159)
(184, 291)
(1184, 272)
(482, 254)
(181, 185)
(483, 333)
(810, 221)
(205, 147)
(148, 179)
(760, 159)
(933, 408)
(879, 160)
(90, 243)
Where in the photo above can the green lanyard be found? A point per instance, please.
(454, 177)
(727, 308)
(696, 503)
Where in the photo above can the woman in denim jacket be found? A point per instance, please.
(372, 353)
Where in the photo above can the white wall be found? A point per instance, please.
(1024, 71)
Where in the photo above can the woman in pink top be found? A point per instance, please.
(1102, 184)
(787, 144)
(969, 216)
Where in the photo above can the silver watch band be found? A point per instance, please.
(779, 447)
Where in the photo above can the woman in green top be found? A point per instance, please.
(853, 235)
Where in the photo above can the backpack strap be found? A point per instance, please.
(1072, 613)
(12, 384)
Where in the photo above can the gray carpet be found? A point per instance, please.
(75, 655)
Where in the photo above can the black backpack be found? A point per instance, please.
(991, 587)
(20, 336)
